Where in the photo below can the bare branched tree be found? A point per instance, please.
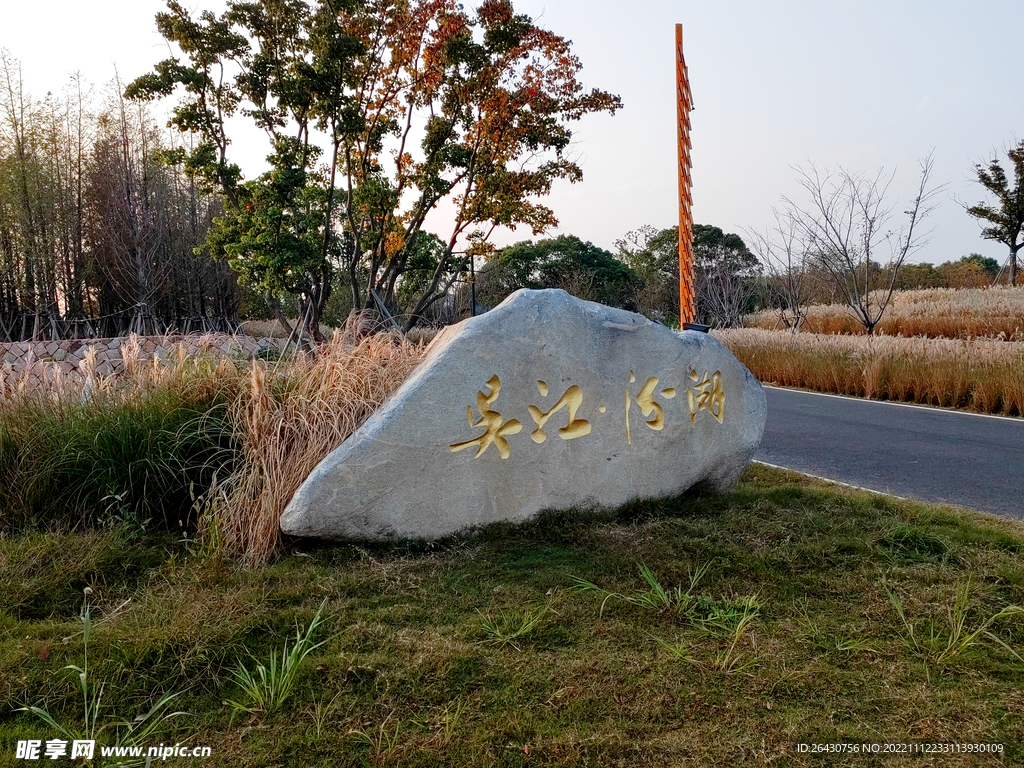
(98, 223)
(787, 264)
(129, 221)
(725, 274)
(849, 224)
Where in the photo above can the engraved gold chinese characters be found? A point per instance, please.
(648, 405)
(706, 395)
(496, 427)
(572, 399)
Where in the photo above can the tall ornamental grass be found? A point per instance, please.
(286, 419)
(85, 449)
(982, 375)
(996, 312)
(211, 442)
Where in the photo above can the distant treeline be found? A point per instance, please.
(973, 271)
(103, 225)
(642, 275)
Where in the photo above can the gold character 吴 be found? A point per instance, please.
(496, 427)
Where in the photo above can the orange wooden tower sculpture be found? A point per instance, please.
(684, 103)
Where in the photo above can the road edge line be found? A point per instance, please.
(833, 482)
(929, 408)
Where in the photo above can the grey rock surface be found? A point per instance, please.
(545, 402)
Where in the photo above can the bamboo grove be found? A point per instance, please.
(98, 232)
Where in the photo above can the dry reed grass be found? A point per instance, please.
(981, 374)
(996, 312)
(422, 334)
(270, 329)
(284, 416)
(287, 419)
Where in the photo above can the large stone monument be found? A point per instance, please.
(545, 402)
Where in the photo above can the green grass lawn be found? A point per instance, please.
(691, 631)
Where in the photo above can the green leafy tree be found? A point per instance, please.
(916, 276)
(384, 108)
(275, 237)
(725, 275)
(653, 254)
(1003, 221)
(724, 272)
(425, 255)
(972, 271)
(289, 66)
(581, 268)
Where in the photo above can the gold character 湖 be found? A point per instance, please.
(707, 395)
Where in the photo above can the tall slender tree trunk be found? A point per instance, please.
(275, 309)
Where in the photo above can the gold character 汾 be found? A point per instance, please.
(648, 405)
(496, 427)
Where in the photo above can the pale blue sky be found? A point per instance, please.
(776, 84)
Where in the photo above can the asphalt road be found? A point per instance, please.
(924, 453)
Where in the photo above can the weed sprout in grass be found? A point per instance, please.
(829, 642)
(269, 685)
(720, 618)
(727, 618)
(909, 544)
(508, 626)
(322, 710)
(942, 648)
(451, 716)
(128, 733)
(656, 598)
(723, 618)
(384, 744)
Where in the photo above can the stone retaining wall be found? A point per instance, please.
(41, 359)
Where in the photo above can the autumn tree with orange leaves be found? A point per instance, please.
(375, 112)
